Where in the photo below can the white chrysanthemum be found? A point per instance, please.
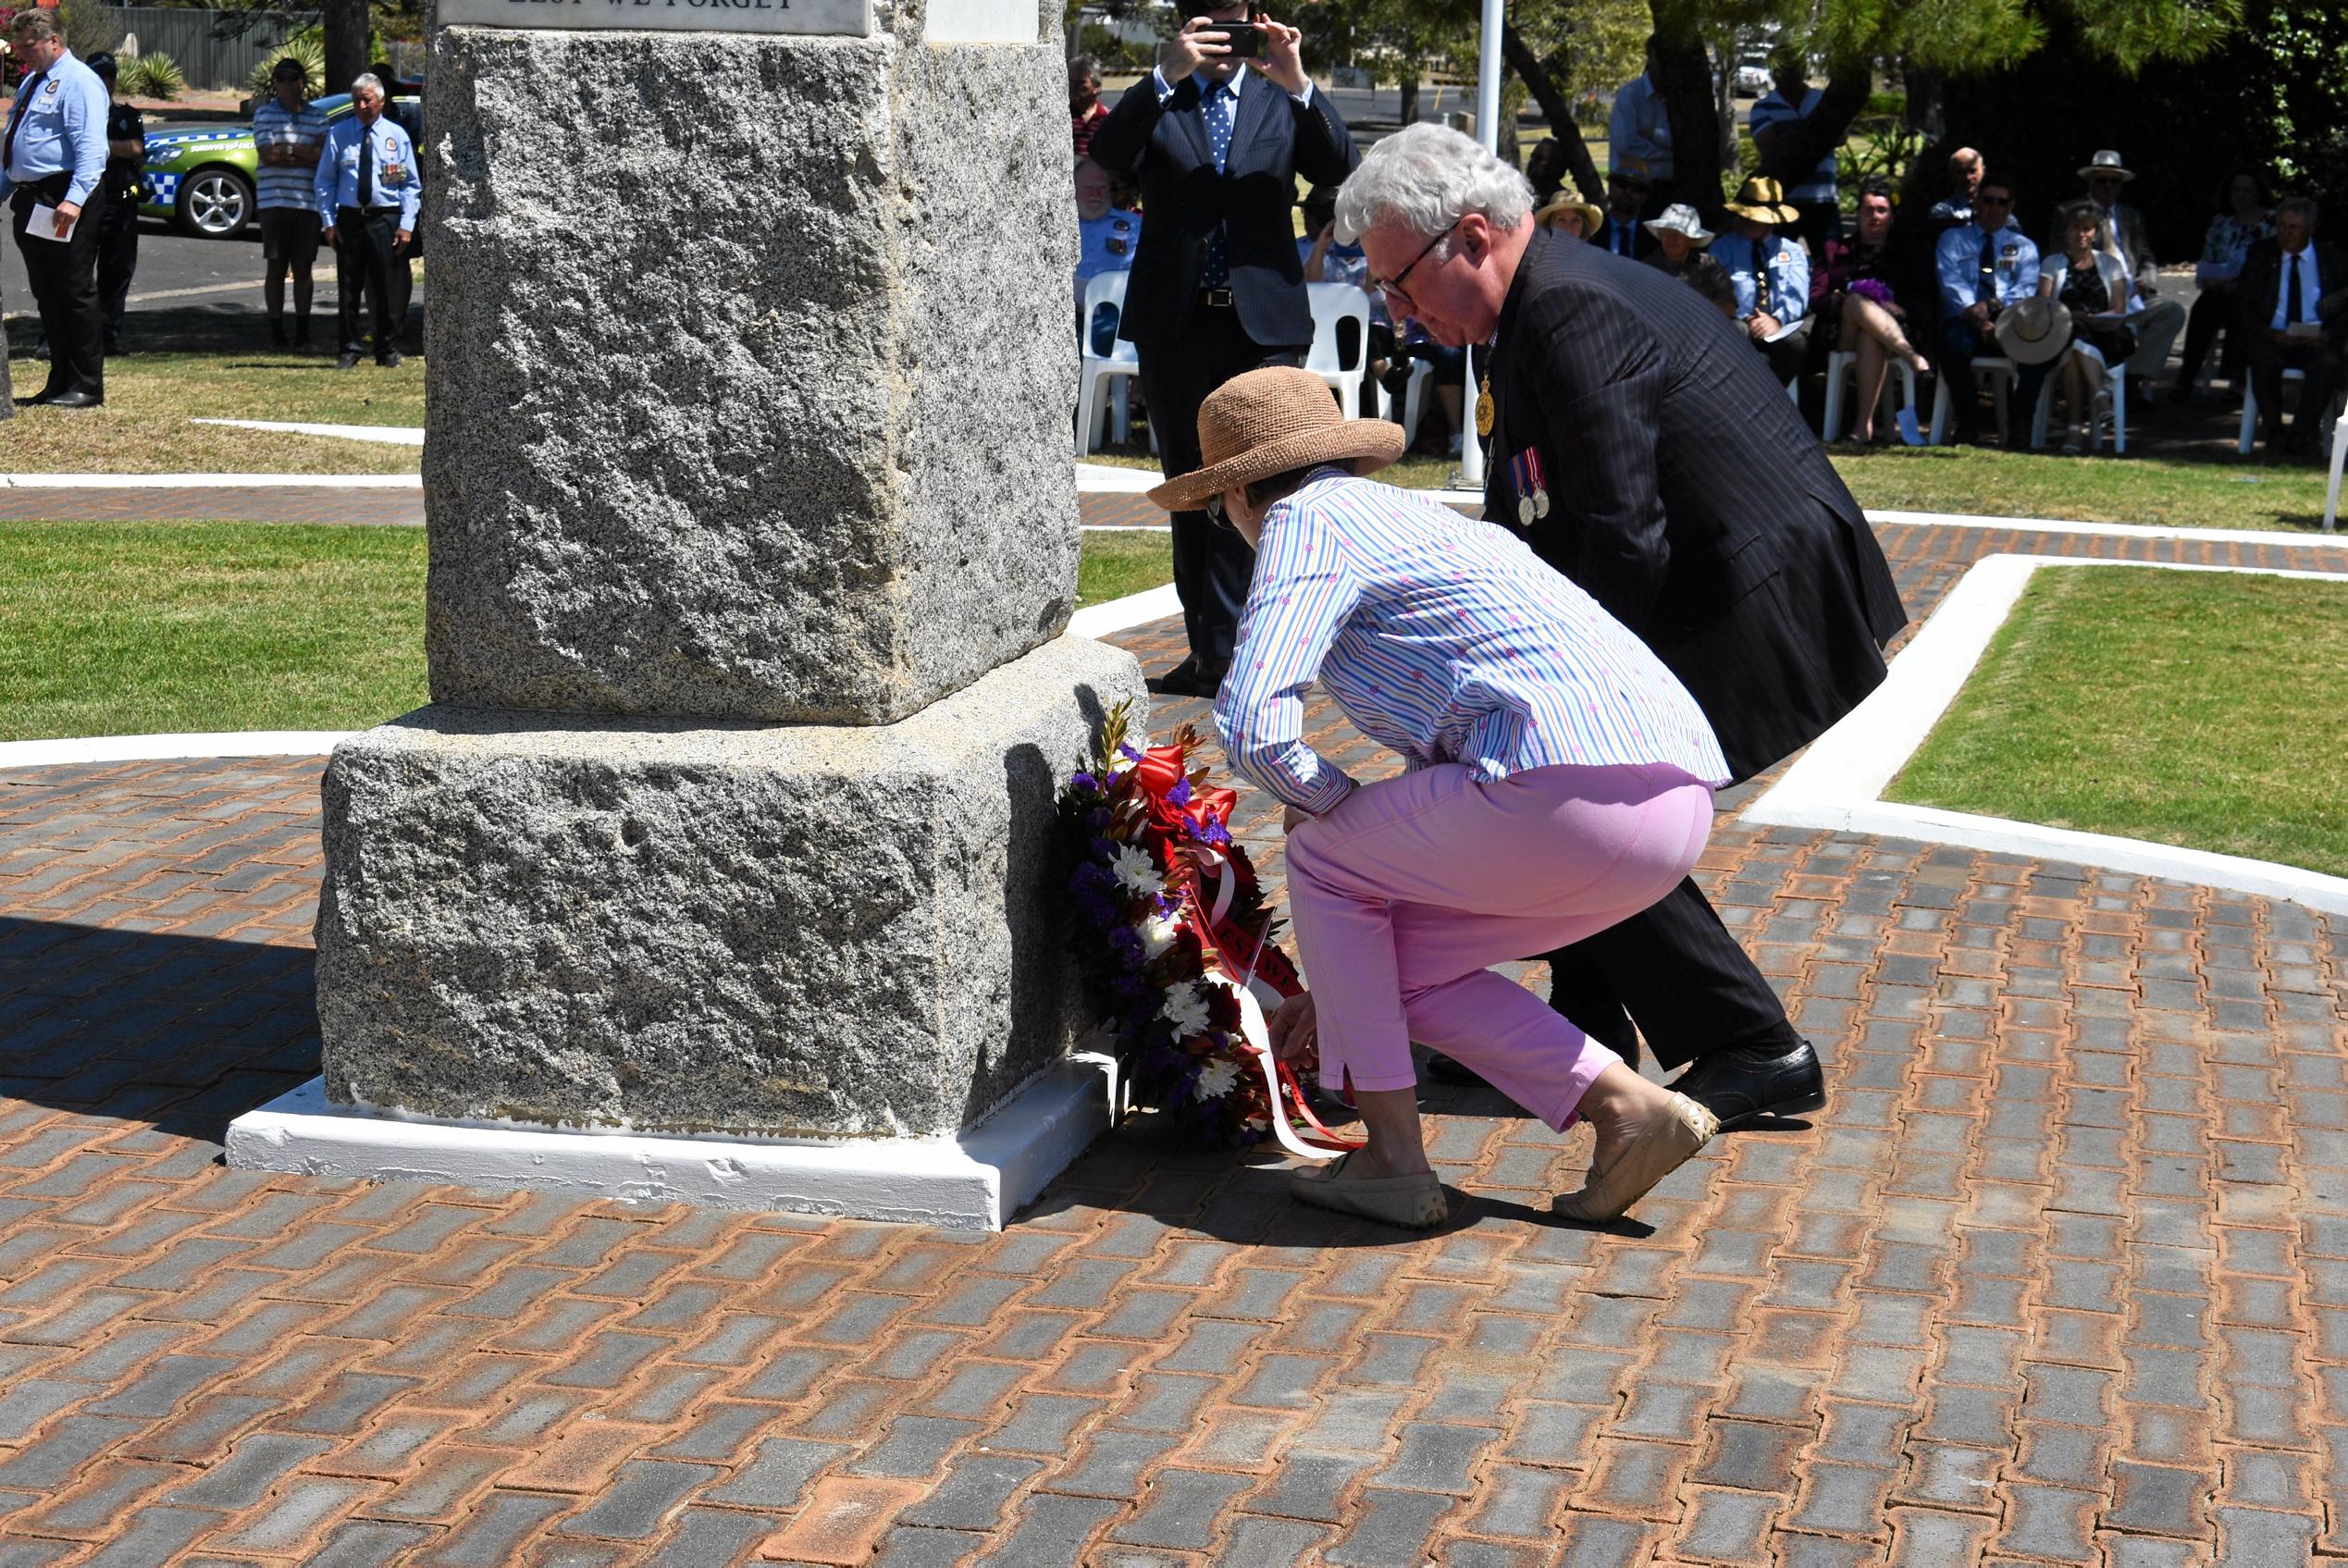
(1136, 872)
(1185, 1009)
(1157, 934)
(1217, 1079)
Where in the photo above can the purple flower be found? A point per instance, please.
(1213, 833)
(1127, 985)
(1128, 754)
(1180, 794)
(1085, 782)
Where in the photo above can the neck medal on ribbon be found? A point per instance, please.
(1484, 406)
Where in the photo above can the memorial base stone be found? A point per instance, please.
(673, 927)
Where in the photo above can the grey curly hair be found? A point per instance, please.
(1427, 176)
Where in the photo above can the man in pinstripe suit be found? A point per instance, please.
(1644, 451)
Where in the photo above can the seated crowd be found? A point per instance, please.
(1963, 292)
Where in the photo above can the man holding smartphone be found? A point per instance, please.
(1217, 286)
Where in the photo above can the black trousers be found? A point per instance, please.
(364, 245)
(118, 259)
(2213, 310)
(64, 276)
(2267, 361)
(1212, 563)
(1674, 970)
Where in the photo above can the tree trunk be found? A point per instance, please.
(1558, 109)
(1684, 76)
(346, 44)
(1801, 144)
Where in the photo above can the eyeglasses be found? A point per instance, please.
(1394, 285)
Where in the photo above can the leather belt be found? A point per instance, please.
(1215, 299)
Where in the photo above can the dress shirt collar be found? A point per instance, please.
(1206, 82)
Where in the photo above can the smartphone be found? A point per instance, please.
(1247, 40)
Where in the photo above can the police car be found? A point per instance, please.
(199, 178)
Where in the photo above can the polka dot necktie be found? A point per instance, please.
(1216, 274)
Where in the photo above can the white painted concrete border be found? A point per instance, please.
(170, 748)
(1123, 615)
(1108, 479)
(1839, 782)
(211, 481)
(973, 1181)
(393, 435)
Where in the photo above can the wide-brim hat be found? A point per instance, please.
(2034, 331)
(1593, 217)
(1272, 421)
(2106, 162)
(1680, 218)
(1763, 200)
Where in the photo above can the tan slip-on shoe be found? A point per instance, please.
(1662, 1146)
(1415, 1203)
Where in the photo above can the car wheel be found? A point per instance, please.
(213, 203)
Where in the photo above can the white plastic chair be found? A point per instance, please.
(2249, 407)
(2000, 373)
(1843, 363)
(2115, 382)
(1098, 370)
(1333, 305)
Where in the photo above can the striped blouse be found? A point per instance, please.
(1445, 638)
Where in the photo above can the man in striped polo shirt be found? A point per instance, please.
(290, 133)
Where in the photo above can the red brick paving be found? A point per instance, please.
(258, 504)
(2061, 1274)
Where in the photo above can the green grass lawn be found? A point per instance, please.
(2186, 488)
(1116, 564)
(193, 363)
(2185, 708)
(144, 628)
(126, 628)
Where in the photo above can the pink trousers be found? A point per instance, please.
(1402, 895)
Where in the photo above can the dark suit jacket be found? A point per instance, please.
(1274, 139)
(1643, 243)
(2260, 288)
(1688, 498)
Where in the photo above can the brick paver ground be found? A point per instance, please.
(2060, 1276)
(228, 503)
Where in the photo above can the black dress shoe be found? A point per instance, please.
(1189, 678)
(346, 361)
(1740, 1089)
(392, 360)
(71, 400)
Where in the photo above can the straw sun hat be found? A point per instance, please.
(1593, 217)
(1271, 421)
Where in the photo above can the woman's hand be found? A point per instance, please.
(1294, 1027)
(1291, 818)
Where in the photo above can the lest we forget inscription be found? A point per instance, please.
(848, 18)
(944, 21)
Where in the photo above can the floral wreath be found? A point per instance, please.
(1173, 931)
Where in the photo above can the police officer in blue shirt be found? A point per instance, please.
(1106, 236)
(368, 187)
(53, 155)
(1983, 268)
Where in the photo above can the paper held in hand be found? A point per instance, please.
(44, 223)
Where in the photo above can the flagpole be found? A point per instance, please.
(1487, 112)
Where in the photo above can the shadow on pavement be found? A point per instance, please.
(182, 1032)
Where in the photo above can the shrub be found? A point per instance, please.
(154, 75)
(307, 46)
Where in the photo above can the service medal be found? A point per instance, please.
(1527, 511)
(1483, 408)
